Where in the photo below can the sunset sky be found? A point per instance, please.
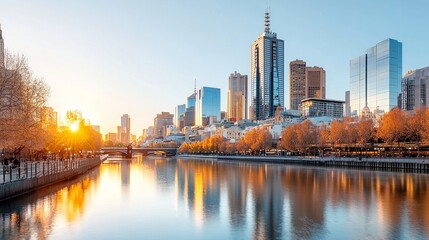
(107, 58)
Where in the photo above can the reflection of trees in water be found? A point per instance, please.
(201, 188)
(33, 215)
(387, 196)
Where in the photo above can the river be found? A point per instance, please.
(168, 198)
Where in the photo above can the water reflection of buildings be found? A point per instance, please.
(165, 172)
(125, 178)
(32, 215)
(311, 193)
(199, 185)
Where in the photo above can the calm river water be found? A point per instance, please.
(163, 198)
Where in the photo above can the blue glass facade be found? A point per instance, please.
(178, 111)
(191, 100)
(207, 105)
(375, 77)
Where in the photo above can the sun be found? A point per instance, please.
(74, 126)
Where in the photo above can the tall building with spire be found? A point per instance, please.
(267, 74)
(1, 49)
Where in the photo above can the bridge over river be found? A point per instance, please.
(129, 151)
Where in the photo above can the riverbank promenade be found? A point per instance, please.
(411, 164)
(32, 175)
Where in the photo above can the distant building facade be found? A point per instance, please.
(317, 107)
(347, 111)
(192, 99)
(207, 107)
(315, 82)
(375, 78)
(161, 121)
(179, 111)
(415, 89)
(267, 74)
(118, 134)
(297, 70)
(110, 137)
(125, 129)
(237, 97)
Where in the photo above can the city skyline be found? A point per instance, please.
(95, 49)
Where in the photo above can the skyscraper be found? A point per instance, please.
(415, 89)
(315, 82)
(296, 83)
(191, 100)
(1, 49)
(237, 97)
(125, 129)
(375, 78)
(207, 107)
(178, 112)
(267, 74)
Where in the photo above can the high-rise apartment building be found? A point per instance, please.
(161, 121)
(267, 74)
(296, 83)
(415, 89)
(237, 97)
(207, 106)
(125, 129)
(178, 112)
(1, 49)
(315, 82)
(375, 78)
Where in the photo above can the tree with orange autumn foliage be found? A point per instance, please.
(324, 138)
(258, 140)
(393, 127)
(299, 137)
(288, 139)
(365, 131)
(425, 128)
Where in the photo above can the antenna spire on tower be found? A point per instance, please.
(195, 85)
(267, 21)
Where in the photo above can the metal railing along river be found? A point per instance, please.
(33, 169)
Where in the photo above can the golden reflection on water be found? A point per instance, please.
(33, 215)
(255, 194)
(309, 191)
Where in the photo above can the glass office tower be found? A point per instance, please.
(207, 106)
(179, 110)
(375, 78)
(267, 74)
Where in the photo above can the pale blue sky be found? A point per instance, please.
(107, 58)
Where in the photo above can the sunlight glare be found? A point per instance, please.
(74, 126)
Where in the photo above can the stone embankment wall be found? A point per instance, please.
(15, 188)
(409, 164)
